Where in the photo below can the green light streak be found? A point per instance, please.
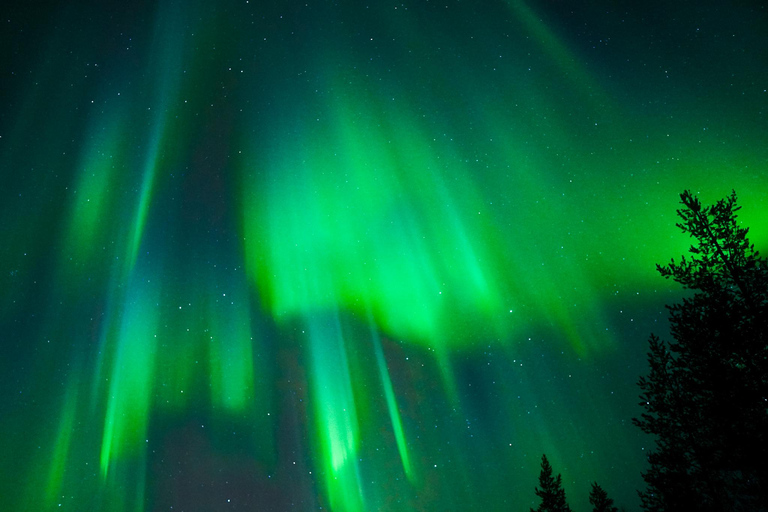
(132, 377)
(93, 195)
(166, 62)
(145, 195)
(231, 355)
(394, 413)
(336, 416)
(567, 60)
(61, 447)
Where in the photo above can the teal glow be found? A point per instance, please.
(94, 194)
(231, 351)
(132, 377)
(334, 404)
(165, 66)
(61, 447)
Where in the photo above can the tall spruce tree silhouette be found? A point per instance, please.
(706, 397)
(551, 493)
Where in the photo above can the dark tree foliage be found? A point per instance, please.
(551, 493)
(706, 397)
(600, 501)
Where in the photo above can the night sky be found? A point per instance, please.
(269, 256)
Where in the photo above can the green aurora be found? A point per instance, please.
(261, 256)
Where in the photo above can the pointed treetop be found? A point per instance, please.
(600, 500)
(551, 490)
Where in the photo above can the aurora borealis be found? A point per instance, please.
(268, 256)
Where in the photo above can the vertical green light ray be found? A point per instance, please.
(132, 376)
(548, 272)
(166, 63)
(459, 230)
(579, 77)
(94, 192)
(145, 192)
(230, 351)
(335, 413)
(59, 460)
(114, 302)
(392, 407)
(125, 489)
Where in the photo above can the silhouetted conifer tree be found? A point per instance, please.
(600, 500)
(551, 493)
(706, 396)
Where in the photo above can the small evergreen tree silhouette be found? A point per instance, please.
(600, 500)
(551, 492)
